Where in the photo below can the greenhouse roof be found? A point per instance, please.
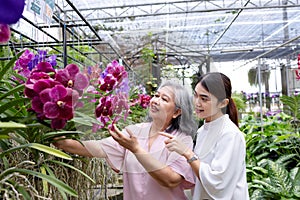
(221, 30)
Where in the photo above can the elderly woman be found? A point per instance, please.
(150, 171)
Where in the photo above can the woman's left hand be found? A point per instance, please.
(131, 143)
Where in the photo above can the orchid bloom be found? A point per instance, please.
(71, 77)
(113, 76)
(4, 33)
(50, 98)
(297, 72)
(10, 12)
(144, 100)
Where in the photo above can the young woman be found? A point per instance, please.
(150, 171)
(218, 159)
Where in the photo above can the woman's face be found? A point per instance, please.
(162, 105)
(206, 105)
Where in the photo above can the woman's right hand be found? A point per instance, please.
(59, 142)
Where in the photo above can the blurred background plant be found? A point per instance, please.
(273, 155)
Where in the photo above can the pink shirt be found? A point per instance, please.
(138, 184)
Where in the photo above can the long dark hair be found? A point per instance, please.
(219, 85)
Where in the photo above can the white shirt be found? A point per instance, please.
(221, 150)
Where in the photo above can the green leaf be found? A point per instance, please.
(50, 150)
(3, 137)
(279, 177)
(10, 64)
(45, 183)
(24, 193)
(39, 147)
(49, 135)
(14, 90)
(50, 172)
(12, 125)
(82, 121)
(296, 183)
(12, 103)
(74, 168)
(87, 118)
(52, 180)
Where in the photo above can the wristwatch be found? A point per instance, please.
(193, 158)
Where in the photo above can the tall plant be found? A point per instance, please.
(292, 105)
(20, 137)
(272, 157)
(39, 103)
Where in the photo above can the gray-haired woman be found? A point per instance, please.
(150, 171)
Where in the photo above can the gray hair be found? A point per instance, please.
(183, 100)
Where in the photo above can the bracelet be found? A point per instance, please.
(193, 158)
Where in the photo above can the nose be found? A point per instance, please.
(155, 100)
(197, 101)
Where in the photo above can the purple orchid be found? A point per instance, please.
(71, 77)
(107, 84)
(52, 60)
(59, 103)
(21, 65)
(104, 110)
(114, 86)
(50, 98)
(4, 33)
(114, 77)
(11, 11)
(29, 63)
(120, 104)
(118, 71)
(144, 100)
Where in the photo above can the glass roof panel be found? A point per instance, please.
(219, 28)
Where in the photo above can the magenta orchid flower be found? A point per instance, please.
(50, 98)
(113, 77)
(297, 72)
(58, 104)
(34, 91)
(104, 108)
(117, 70)
(104, 111)
(4, 33)
(29, 63)
(108, 83)
(71, 77)
(144, 100)
(113, 83)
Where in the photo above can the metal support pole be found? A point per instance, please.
(260, 96)
(65, 53)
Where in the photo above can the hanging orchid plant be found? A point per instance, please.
(55, 94)
(297, 71)
(113, 103)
